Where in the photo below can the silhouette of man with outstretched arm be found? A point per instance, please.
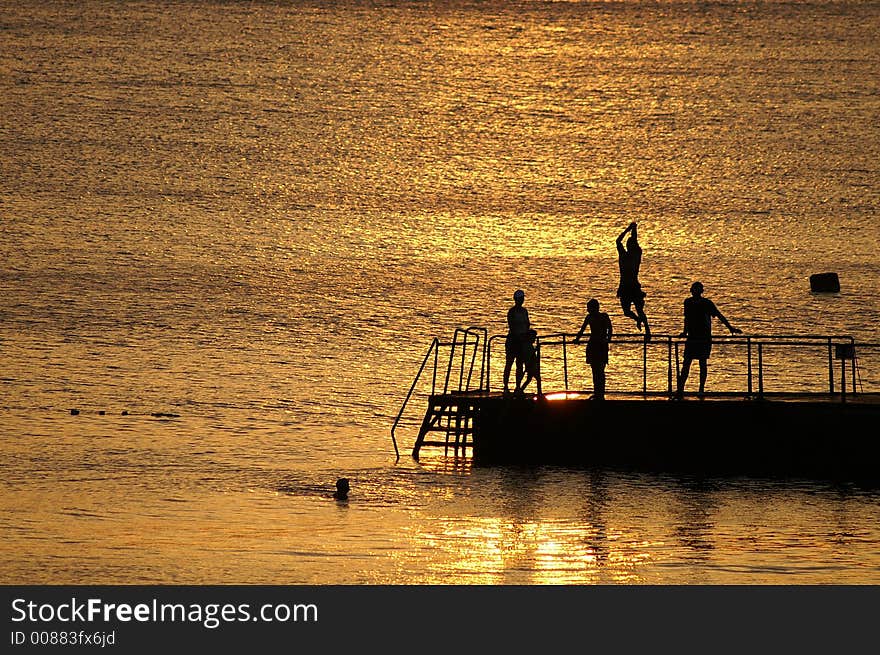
(597, 345)
(629, 260)
(698, 315)
(517, 335)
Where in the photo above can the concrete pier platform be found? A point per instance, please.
(824, 435)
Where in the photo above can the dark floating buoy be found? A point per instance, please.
(74, 412)
(125, 412)
(101, 412)
(825, 282)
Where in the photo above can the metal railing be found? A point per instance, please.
(471, 347)
(840, 348)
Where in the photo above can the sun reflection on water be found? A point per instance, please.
(493, 550)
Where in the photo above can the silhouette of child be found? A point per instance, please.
(530, 361)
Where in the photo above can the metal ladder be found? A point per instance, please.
(453, 416)
(448, 414)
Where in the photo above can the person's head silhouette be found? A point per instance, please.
(342, 488)
(697, 289)
(593, 306)
(519, 296)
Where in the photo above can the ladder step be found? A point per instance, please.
(451, 416)
(453, 420)
(451, 431)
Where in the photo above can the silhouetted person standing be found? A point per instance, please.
(517, 339)
(629, 260)
(698, 315)
(531, 363)
(597, 345)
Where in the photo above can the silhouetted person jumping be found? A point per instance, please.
(597, 345)
(517, 334)
(629, 260)
(698, 315)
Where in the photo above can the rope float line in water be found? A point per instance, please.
(125, 412)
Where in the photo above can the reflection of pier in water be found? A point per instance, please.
(807, 420)
(538, 525)
(567, 525)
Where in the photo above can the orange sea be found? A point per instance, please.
(252, 218)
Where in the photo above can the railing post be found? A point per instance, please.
(464, 345)
(476, 346)
(830, 367)
(749, 365)
(645, 366)
(451, 357)
(760, 370)
(484, 370)
(843, 379)
(852, 343)
(677, 370)
(538, 364)
(565, 362)
(488, 365)
(436, 345)
(669, 364)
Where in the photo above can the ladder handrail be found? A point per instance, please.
(477, 332)
(453, 344)
(464, 338)
(464, 344)
(435, 343)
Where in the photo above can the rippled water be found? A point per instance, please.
(251, 219)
